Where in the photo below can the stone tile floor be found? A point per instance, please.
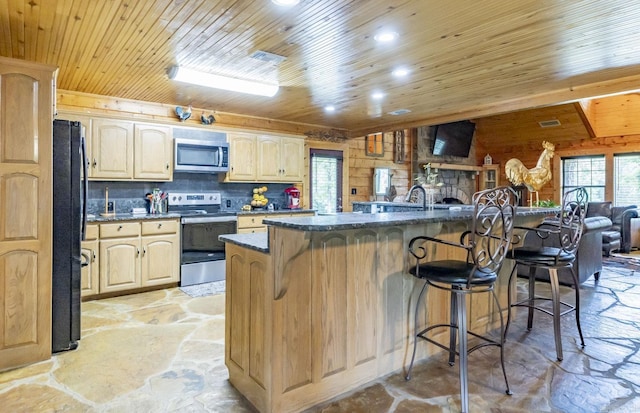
(163, 351)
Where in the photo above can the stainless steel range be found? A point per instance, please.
(202, 257)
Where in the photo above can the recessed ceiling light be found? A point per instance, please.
(399, 112)
(386, 36)
(330, 108)
(377, 95)
(285, 2)
(400, 72)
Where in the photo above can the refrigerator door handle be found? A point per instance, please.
(86, 261)
(85, 186)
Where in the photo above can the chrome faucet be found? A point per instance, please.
(424, 195)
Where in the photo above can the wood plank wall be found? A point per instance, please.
(361, 166)
(111, 106)
(614, 120)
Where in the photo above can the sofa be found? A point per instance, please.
(619, 236)
(588, 257)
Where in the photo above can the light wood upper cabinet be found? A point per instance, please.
(280, 159)
(26, 129)
(265, 158)
(242, 157)
(269, 158)
(123, 150)
(111, 154)
(292, 160)
(153, 152)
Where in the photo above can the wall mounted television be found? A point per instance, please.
(453, 139)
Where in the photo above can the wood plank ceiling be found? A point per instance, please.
(466, 59)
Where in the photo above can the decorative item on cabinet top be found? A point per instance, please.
(207, 120)
(183, 114)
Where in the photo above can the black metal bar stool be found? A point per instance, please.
(486, 245)
(564, 233)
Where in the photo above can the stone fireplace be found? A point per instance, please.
(457, 186)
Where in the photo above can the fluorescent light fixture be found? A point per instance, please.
(285, 2)
(182, 74)
(330, 108)
(377, 95)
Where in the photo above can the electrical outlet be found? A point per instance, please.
(228, 203)
(353, 191)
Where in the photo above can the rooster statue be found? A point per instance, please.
(183, 114)
(207, 120)
(533, 178)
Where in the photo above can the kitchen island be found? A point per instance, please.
(321, 305)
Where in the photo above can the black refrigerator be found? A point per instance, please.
(69, 227)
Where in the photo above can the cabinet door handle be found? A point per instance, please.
(119, 227)
(94, 162)
(167, 166)
(93, 258)
(144, 251)
(159, 226)
(138, 251)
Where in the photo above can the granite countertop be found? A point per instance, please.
(398, 204)
(176, 215)
(361, 220)
(258, 241)
(131, 217)
(275, 212)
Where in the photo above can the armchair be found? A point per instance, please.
(588, 260)
(623, 229)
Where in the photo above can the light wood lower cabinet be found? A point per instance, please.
(130, 255)
(91, 272)
(160, 253)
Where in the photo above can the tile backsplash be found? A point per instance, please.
(131, 194)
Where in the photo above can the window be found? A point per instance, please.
(586, 171)
(326, 180)
(626, 176)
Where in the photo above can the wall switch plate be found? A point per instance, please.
(228, 203)
(353, 191)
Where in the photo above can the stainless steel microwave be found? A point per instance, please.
(201, 156)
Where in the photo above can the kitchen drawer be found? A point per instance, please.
(92, 232)
(159, 227)
(122, 229)
(250, 221)
(252, 230)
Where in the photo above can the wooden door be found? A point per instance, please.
(292, 160)
(242, 157)
(26, 115)
(111, 146)
(90, 284)
(269, 169)
(119, 264)
(160, 259)
(153, 152)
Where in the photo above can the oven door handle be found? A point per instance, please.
(205, 220)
